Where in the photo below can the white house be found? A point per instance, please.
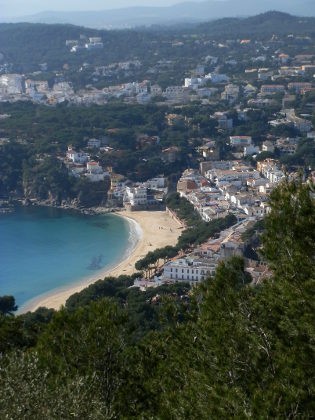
(136, 196)
(76, 157)
(190, 270)
(251, 150)
(95, 172)
(217, 78)
(94, 143)
(240, 140)
(156, 183)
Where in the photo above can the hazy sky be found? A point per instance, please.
(27, 7)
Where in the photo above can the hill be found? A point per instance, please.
(272, 22)
(178, 13)
(26, 45)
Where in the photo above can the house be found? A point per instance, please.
(191, 270)
(12, 84)
(174, 92)
(298, 87)
(95, 172)
(156, 183)
(136, 197)
(300, 124)
(217, 78)
(156, 90)
(94, 43)
(249, 90)
(185, 186)
(224, 122)
(265, 74)
(194, 82)
(283, 58)
(230, 93)
(251, 150)
(76, 157)
(271, 89)
(268, 146)
(240, 141)
(287, 146)
(94, 143)
(210, 151)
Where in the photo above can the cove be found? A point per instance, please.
(43, 248)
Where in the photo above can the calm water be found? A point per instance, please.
(42, 249)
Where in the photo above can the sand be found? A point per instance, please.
(156, 230)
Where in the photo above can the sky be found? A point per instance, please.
(29, 7)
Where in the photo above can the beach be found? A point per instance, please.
(152, 230)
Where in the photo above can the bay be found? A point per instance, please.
(42, 249)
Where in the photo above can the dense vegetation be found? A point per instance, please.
(197, 230)
(229, 350)
(31, 166)
(28, 45)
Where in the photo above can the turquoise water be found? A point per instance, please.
(42, 249)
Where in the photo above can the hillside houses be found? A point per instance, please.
(203, 261)
(79, 164)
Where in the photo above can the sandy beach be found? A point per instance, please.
(155, 229)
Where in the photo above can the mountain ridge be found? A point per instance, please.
(178, 13)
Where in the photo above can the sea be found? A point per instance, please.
(42, 249)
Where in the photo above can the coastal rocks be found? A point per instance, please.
(6, 207)
(72, 205)
(26, 202)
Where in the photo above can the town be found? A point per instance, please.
(157, 210)
(223, 101)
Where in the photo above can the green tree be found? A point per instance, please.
(7, 305)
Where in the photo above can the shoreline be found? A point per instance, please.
(152, 230)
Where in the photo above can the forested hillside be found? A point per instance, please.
(224, 350)
(27, 45)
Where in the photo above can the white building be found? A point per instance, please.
(230, 93)
(95, 172)
(173, 92)
(136, 196)
(94, 143)
(217, 78)
(240, 140)
(156, 183)
(190, 270)
(94, 46)
(12, 84)
(195, 82)
(251, 150)
(95, 39)
(76, 157)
